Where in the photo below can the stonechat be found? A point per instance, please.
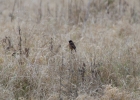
(72, 46)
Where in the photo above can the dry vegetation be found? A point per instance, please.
(36, 63)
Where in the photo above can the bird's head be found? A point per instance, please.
(70, 41)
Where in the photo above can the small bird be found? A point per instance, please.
(72, 46)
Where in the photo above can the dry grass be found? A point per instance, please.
(36, 63)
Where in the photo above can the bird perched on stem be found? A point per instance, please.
(72, 46)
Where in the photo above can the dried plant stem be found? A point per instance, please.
(40, 11)
(60, 74)
(51, 45)
(20, 46)
(13, 9)
(70, 78)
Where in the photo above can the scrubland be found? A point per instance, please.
(37, 64)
